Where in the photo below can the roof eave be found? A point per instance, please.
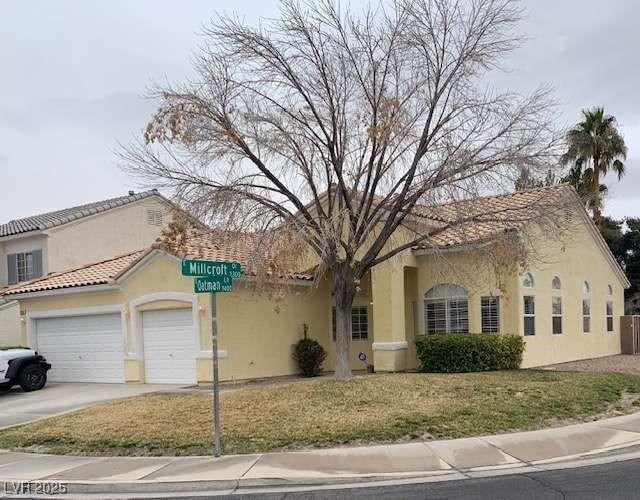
(25, 234)
(105, 287)
(464, 247)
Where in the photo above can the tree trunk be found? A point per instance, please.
(597, 209)
(344, 291)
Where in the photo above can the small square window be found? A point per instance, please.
(359, 323)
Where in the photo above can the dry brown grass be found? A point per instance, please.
(317, 413)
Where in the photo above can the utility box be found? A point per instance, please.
(630, 334)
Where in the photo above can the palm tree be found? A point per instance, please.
(594, 147)
(582, 179)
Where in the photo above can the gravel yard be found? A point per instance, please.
(621, 363)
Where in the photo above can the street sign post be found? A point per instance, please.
(213, 277)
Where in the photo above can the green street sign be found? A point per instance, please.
(211, 268)
(218, 284)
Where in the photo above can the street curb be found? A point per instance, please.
(181, 485)
(176, 489)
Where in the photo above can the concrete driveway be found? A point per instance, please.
(18, 407)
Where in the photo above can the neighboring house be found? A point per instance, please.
(134, 318)
(39, 245)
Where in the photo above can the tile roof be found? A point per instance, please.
(59, 217)
(98, 273)
(463, 222)
(481, 219)
(207, 246)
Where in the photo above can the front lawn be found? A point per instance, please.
(322, 412)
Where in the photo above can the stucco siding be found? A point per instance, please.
(10, 324)
(575, 259)
(117, 231)
(256, 332)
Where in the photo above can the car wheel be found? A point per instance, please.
(32, 378)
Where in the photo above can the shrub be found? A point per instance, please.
(458, 353)
(309, 355)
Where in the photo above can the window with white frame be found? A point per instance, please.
(24, 266)
(609, 316)
(529, 303)
(556, 315)
(490, 312)
(446, 309)
(359, 323)
(556, 284)
(586, 315)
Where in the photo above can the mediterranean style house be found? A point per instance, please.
(37, 246)
(134, 318)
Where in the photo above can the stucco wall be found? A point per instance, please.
(256, 332)
(574, 260)
(118, 231)
(10, 324)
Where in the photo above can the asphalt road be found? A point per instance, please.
(619, 480)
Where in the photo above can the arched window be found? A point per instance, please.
(446, 309)
(527, 280)
(585, 287)
(609, 290)
(556, 284)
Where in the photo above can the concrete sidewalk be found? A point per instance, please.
(437, 460)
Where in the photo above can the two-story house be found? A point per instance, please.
(39, 245)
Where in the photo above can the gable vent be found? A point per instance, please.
(155, 217)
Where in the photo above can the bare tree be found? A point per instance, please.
(332, 126)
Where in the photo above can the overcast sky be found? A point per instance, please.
(72, 74)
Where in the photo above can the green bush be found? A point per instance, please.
(309, 355)
(459, 353)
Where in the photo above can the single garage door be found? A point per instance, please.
(169, 346)
(83, 348)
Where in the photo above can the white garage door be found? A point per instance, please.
(82, 348)
(169, 346)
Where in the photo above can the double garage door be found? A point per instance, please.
(91, 348)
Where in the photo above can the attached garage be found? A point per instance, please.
(135, 319)
(87, 348)
(170, 348)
